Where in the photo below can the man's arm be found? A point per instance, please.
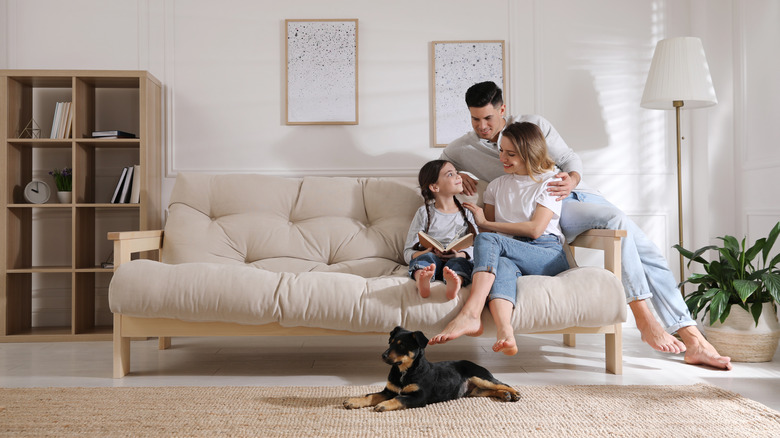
(565, 158)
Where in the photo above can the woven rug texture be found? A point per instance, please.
(543, 411)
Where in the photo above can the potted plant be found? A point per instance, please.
(63, 179)
(740, 289)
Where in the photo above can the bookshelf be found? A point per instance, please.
(54, 288)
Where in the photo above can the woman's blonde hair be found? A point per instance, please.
(529, 142)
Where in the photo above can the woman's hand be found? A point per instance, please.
(477, 212)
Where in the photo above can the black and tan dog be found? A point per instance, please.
(414, 382)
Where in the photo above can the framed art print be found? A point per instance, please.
(322, 74)
(457, 65)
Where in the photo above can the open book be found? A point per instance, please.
(456, 245)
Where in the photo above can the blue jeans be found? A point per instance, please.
(509, 258)
(460, 265)
(645, 271)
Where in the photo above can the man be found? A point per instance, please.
(645, 273)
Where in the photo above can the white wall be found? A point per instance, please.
(580, 64)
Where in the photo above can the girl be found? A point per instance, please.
(525, 237)
(443, 218)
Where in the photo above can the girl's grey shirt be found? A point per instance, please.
(445, 227)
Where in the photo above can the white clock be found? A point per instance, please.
(37, 192)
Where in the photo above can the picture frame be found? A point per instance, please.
(321, 72)
(457, 65)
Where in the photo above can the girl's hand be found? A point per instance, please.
(448, 254)
(479, 213)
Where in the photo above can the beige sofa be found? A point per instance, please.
(260, 255)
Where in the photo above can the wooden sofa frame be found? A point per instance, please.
(127, 327)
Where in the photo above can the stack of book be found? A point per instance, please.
(63, 120)
(112, 134)
(128, 189)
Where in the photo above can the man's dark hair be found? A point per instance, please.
(483, 93)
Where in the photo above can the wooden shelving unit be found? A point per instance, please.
(26, 260)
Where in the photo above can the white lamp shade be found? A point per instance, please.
(679, 72)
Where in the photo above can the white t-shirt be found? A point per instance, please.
(515, 197)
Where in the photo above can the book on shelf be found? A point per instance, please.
(124, 197)
(456, 245)
(135, 189)
(112, 134)
(116, 199)
(62, 121)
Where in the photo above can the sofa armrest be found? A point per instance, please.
(605, 240)
(126, 243)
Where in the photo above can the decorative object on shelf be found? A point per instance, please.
(740, 290)
(63, 179)
(31, 130)
(457, 65)
(679, 76)
(321, 70)
(37, 192)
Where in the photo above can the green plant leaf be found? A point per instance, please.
(696, 255)
(770, 240)
(745, 288)
(772, 282)
(731, 257)
(718, 305)
(774, 262)
(755, 310)
(731, 244)
(755, 250)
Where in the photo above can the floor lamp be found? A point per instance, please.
(679, 78)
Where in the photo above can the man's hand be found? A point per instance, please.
(469, 184)
(561, 189)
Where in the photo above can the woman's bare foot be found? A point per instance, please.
(453, 281)
(505, 342)
(461, 325)
(700, 351)
(423, 279)
(652, 332)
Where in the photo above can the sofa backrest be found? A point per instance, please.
(341, 224)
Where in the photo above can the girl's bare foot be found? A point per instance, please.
(505, 342)
(461, 325)
(453, 281)
(700, 351)
(652, 332)
(423, 279)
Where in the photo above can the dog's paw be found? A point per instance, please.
(389, 405)
(353, 403)
(510, 396)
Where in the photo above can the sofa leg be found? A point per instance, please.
(570, 340)
(614, 350)
(121, 350)
(164, 343)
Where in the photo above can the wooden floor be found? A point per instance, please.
(355, 360)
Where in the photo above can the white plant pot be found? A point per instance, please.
(65, 197)
(740, 338)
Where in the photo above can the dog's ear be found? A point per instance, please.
(395, 331)
(422, 341)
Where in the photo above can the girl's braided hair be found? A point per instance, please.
(428, 175)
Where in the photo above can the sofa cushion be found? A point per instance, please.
(585, 297)
(350, 225)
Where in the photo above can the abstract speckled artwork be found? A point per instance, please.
(457, 65)
(322, 71)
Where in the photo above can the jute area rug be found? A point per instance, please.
(543, 411)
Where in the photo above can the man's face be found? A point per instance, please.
(488, 121)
